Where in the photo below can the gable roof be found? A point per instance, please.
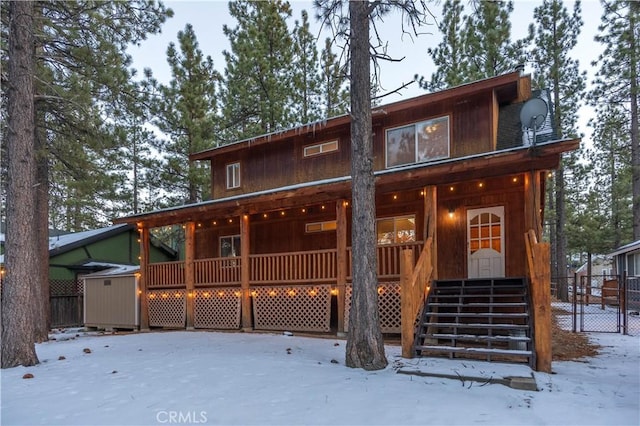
(67, 242)
(633, 246)
(508, 87)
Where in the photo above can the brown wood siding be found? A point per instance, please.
(452, 232)
(282, 163)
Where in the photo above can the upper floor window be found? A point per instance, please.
(418, 142)
(320, 148)
(396, 230)
(233, 175)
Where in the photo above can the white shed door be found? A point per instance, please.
(485, 242)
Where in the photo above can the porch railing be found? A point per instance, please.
(318, 266)
(165, 274)
(297, 267)
(222, 271)
(389, 259)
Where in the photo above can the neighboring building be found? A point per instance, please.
(79, 253)
(601, 270)
(626, 259)
(76, 254)
(453, 176)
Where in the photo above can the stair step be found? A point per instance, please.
(479, 314)
(480, 305)
(476, 337)
(479, 287)
(462, 349)
(467, 295)
(476, 325)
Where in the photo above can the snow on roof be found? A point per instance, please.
(635, 245)
(114, 270)
(76, 237)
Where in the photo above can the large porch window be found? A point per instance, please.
(418, 142)
(396, 230)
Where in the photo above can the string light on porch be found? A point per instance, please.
(282, 213)
(238, 294)
(152, 296)
(334, 291)
(291, 293)
(380, 290)
(480, 184)
(304, 210)
(264, 215)
(221, 294)
(206, 295)
(215, 222)
(395, 197)
(451, 189)
(230, 220)
(515, 179)
(312, 292)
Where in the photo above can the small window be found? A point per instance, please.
(233, 175)
(330, 225)
(320, 148)
(396, 230)
(230, 246)
(418, 142)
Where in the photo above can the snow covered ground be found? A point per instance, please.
(250, 378)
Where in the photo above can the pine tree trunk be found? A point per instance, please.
(41, 304)
(561, 236)
(21, 256)
(634, 7)
(365, 347)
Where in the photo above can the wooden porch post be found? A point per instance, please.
(532, 214)
(142, 281)
(189, 276)
(431, 224)
(341, 246)
(244, 272)
(538, 260)
(407, 305)
(539, 264)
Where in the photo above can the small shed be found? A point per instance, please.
(112, 298)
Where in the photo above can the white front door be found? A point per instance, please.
(485, 242)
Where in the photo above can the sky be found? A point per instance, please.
(208, 18)
(207, 378)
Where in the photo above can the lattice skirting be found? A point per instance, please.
(301, 308)
(167, 308)
(388, 305)
(217, 308)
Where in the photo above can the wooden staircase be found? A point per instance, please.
(485, 319)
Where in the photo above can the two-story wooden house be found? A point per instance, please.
(271, 249)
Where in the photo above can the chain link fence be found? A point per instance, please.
(598, 303)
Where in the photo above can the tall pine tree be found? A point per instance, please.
(258, 81)
(306, 81)
(334, 93)
(185, 111)
(448, 57)
(618, 80)
(554, 34)
(486, 37)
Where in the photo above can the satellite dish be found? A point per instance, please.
(533, 113)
